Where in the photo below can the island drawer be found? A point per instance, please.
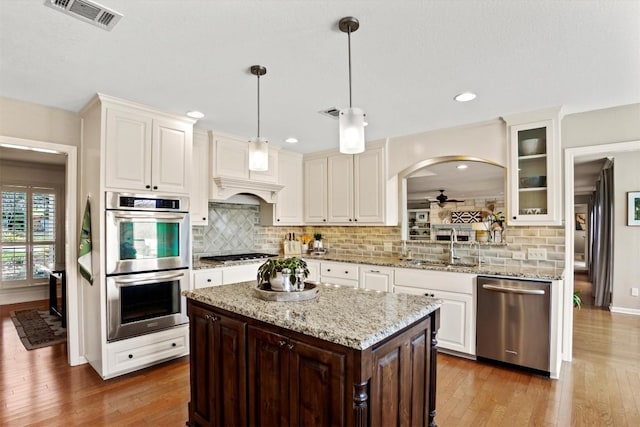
(338, 270)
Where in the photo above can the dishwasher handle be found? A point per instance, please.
(513, 290)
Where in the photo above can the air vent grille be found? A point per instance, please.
(87, 11)
(331, 112)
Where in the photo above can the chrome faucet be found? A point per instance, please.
(476, 243)
(452, 254)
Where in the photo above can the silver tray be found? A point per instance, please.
(264, 292)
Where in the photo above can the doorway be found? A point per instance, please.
(74, 354)
(573, 155)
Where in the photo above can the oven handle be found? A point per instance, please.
(513, 290)
(127, 282)
(155, 216)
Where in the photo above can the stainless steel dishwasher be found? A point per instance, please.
(512, 321)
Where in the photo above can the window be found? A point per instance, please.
(27, 241)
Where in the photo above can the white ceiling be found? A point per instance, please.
(409, 59)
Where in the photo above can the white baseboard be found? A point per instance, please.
(14, 296)
(623, 310)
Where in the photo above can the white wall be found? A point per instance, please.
(25, 120)
(612, 125)
(483, 140)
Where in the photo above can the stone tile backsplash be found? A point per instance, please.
(236, 228)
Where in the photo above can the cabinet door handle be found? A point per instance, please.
(515, 217)
(282, 343)
(374, 271)
(147, 187)
(350, 220)
(211, 317)
(324, 220)
(290, 346)
(328, 269)
(356, 219)
(131, 356)
(204, 219)
(346, 272)
(278, 219)
(155, 187)
(173, 344)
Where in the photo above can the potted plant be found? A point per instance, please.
(577, 301)
(271, 271)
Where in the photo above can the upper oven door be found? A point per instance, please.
(146, 241)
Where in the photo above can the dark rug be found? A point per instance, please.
(37, 328)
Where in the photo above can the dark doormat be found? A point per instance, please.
(37, 328)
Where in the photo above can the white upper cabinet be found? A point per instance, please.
(340, 188)
(147, 152)
(315, 190)
(230, 170)
(355, 190)
(287, 210)
(369, 186)
(534, 168)
(199, 203)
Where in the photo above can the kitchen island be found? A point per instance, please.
(348, 357)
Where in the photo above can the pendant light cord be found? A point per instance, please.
(258, 105)
(349, 41)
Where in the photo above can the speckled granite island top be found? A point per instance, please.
(355, 318)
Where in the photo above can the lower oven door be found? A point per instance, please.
(138, 304)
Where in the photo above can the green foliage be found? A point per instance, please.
(274, 265)
(317, 236)
(577, 301)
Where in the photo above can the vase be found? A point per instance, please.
(281, 282)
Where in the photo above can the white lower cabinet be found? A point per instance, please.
(376, 278)
(206, 278)
(339, 273)
(139, 352)
(457, 315)
(314, 270)
(240, 273)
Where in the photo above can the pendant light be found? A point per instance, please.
(258, 147)
(351, 119)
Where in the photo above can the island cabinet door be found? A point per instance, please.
(292, 383)
(268, 378)
(400, 380)
(218, 369)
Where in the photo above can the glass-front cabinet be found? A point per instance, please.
(534, 169)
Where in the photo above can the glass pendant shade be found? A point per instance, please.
(351, 130)
(258, 154)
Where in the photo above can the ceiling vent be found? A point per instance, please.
(331, 112)
(87, 11)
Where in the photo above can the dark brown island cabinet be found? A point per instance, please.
(248, 372)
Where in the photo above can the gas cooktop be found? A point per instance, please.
(237, 257)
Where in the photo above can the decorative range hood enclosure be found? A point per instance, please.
(228, 187)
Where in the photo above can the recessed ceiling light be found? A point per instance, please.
(291, 140)
(465, 96)
(195, 114)
(462, 166)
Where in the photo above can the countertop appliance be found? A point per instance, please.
(513, 322)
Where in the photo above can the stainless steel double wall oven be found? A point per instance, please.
(147, 262)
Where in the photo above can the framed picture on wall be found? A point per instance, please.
(633, 213)
(581, 221)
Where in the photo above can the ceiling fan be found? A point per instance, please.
(443, 199)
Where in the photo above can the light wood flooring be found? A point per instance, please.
(601, 387)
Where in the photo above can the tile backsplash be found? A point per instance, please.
(236, 228)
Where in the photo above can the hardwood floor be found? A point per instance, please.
(601, 387)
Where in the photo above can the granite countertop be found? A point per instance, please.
(394, 262)
(355, 318)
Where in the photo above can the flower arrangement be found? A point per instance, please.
(306, 238)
